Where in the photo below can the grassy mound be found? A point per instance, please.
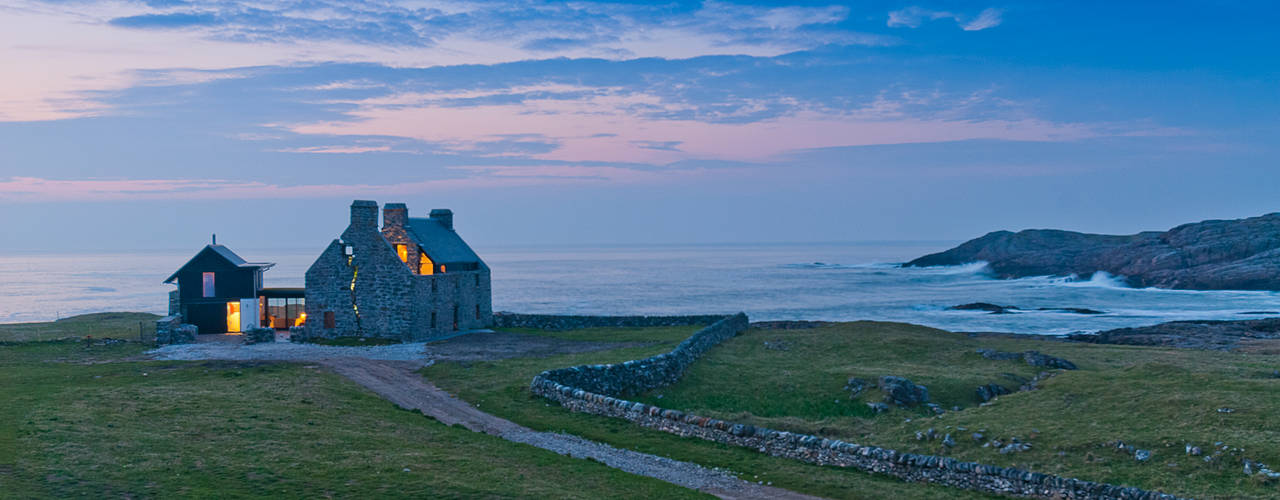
(1154, 399)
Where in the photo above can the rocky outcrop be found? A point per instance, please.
(1242, 254)
(903, 392)
(1211, 335)
(999, 309)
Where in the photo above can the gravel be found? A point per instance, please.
(288, 351)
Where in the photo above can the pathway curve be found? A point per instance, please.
(399, 383)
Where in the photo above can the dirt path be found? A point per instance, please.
(397, 382)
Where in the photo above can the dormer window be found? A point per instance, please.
(402, 251)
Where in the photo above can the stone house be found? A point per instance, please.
(413, 279)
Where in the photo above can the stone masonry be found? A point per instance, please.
(594, 389)
(360, 287)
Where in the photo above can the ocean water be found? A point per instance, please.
(848, 281)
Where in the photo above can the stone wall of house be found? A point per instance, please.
(171, 330)
(372, 293)
(562, 322)
(592, 389)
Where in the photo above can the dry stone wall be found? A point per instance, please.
(593, 389)
(554, 322)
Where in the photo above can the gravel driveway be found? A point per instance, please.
(389, 371)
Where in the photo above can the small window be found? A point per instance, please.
(433, 319)
(477, 311)
(455, 317)
(402, 251)
(209, 289)
(477, 279)
(348, 250)
(442, 268)
(425, 265)
(433, 286)
(328, 319)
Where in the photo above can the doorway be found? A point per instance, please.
(233, 317)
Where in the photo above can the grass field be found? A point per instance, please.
(118, 325)
(502, 388)
(95, 422)
(1156, 399)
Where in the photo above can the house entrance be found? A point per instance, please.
(233, 317)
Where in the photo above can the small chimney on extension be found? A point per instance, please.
(444, 215)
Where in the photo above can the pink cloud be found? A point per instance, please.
(603, 126)
(32, 189)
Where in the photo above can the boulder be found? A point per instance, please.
(903, 392)
(990, 391)
(1241, 254)
(1034, 358)
(855, 386)
(259, 335)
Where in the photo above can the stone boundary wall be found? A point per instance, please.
(171, 330)
(555, 322)
(589, 389)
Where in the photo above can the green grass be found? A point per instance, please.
(1156, 399)
(93, 422)
(502, 388)
(118, 325)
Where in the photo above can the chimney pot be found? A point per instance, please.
(444, 216)
(395, 215)
(364, 214)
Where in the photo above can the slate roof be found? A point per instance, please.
(442, 244)
(227, 255)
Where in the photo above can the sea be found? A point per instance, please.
(826, 281)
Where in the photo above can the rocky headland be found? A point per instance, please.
(1241, 254)
(1211, 335)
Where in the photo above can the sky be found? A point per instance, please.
(132, 125)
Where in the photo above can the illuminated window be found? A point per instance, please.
(425, 265)
(207, 279)
(403, 252)
(442, 268)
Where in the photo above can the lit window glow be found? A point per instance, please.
(425, 265)
(403, 252)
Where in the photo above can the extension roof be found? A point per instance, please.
(227, 255)
(442, 244)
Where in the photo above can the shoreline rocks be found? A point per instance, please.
(1207, 335)
(1241, 254)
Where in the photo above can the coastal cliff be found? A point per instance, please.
(1241, 254)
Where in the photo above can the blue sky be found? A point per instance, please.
(129, 125)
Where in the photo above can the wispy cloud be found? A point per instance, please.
(92, 46)
(913, 17)
(35, 189)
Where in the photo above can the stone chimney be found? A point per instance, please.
(394, 216)
(444, 216)
(364, 214)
